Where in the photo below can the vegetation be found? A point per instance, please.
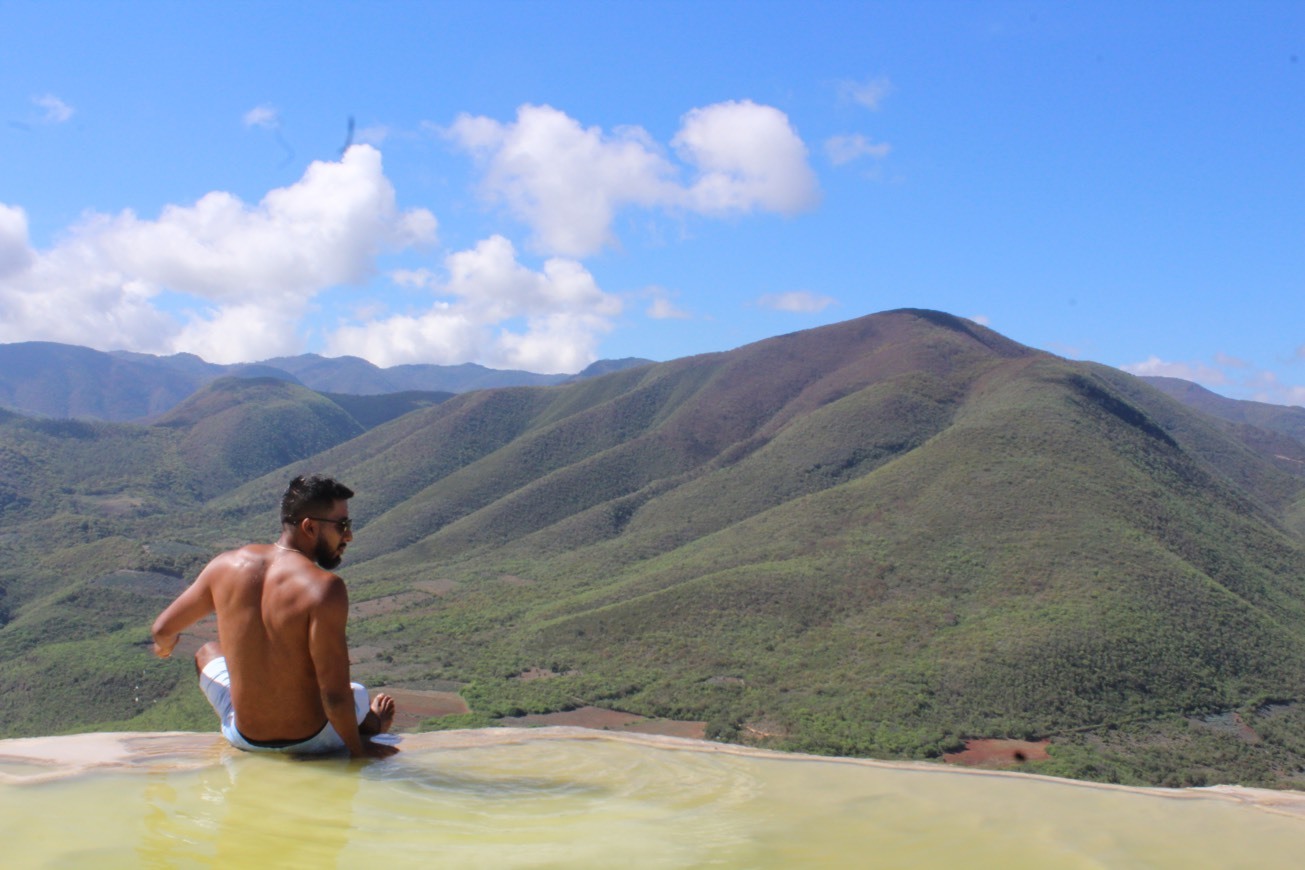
(878, 538)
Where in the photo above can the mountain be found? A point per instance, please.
(57, 380)
(1287, 419)
(353, 375)
(881, 537)
(373, 410)
(238, 428)
(64, 381)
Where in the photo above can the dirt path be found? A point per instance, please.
(999, 753)
(600, 719)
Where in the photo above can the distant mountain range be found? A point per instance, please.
(881, 537)
(59, 380)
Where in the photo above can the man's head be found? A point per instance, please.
(322, 502)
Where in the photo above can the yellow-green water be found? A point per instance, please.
(569, 799)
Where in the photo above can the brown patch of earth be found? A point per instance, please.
(114, 506)
(414, 706)
(387, 603)
(195, 637)
(601, 719)
(764, 729)
(999, 753)
(364, 654)
(438, 588)
(1230, 722)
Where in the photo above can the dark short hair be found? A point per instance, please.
(312, 495)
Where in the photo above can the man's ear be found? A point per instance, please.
(307, 529)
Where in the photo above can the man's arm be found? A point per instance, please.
(190, 607)
(329, 648)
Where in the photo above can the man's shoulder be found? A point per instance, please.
(322, 585)
(330, 585)
(324, 594)
(247, 551)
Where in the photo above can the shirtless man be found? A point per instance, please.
(278, 676)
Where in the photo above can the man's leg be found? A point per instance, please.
(215, 683)
(206, 654)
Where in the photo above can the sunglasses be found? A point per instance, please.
(345, 525)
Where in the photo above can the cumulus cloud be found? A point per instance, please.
(15, 253)
(845, 149)
(749, 157)
(563, 180)
(246, 272)
(800, 301)
(567, 182)
(1265, 386)
(55, 110)
(242, 331)
(1228, 374)
(493, 310)
(1153, 366)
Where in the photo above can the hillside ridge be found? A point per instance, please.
(879, 537)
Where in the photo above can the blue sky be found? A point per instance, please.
(540, 184)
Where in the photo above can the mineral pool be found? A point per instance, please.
(574, 798)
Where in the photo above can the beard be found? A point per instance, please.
(327, 557)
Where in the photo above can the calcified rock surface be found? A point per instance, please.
(36, 759)
(577, 797)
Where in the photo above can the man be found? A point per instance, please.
(278, 676)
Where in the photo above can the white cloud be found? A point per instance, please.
(563, 180)
(1265, 386)
(266, 117)
(869, 94)
(414, 279)
(560, 310)
(15, 253)
(1153, 366)
(844, 149)
(801, 301)
(242, 331)
(56, 110)
(1230, 375)
(325, 229)
(568, 182)
(250, 271)
(748, 157)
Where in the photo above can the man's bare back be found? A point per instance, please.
(281, 627)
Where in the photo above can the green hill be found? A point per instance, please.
(880, 537)
(238, 428)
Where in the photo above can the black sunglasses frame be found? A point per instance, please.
(345, 525)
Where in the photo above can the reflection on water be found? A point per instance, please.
(574, 799)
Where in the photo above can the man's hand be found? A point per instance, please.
(372, 749)
(163, 646)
